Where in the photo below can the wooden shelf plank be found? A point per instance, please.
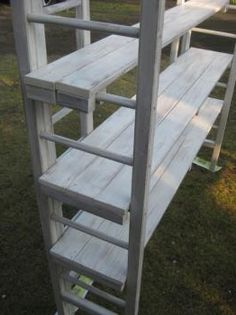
(107, 263)
(102, 186)
(91, 69)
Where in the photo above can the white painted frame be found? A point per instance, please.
(150, 47)
(31, 50)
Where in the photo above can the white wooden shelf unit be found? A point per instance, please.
(122, 176)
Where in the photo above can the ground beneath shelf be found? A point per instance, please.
(190, 263)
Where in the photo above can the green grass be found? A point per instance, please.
(189, 266)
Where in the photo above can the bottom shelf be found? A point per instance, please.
(107, 263)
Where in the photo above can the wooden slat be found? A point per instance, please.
(47, 76)
(107, 263)
(115, 55)
(106, 185)
(100, 73)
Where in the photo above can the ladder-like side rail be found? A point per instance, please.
(96, 233)
(58, 7)
(129, 31)
(32, 54)
(78, 145)
(225, 113)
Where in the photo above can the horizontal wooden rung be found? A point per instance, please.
(116, 99)
(87, 148)
(221, 84)
(93, 232)
(58, 7)
(231, 6)
(129, 31)
(213, 32)
(209, 143)
(61, 114)
(85, 305)
(90, 288)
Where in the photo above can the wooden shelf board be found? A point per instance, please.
(107, 263)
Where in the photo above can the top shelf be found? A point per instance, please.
(89, 70)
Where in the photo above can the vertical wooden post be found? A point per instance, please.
(174, 50)
(83, 38)
(31, 53)
(152, 19)
(225, 113)
(176, 43)
(186, 40)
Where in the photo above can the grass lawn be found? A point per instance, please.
(189, 266)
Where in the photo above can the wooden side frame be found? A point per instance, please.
(225, 114)
(31, 53)
(150, 46)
